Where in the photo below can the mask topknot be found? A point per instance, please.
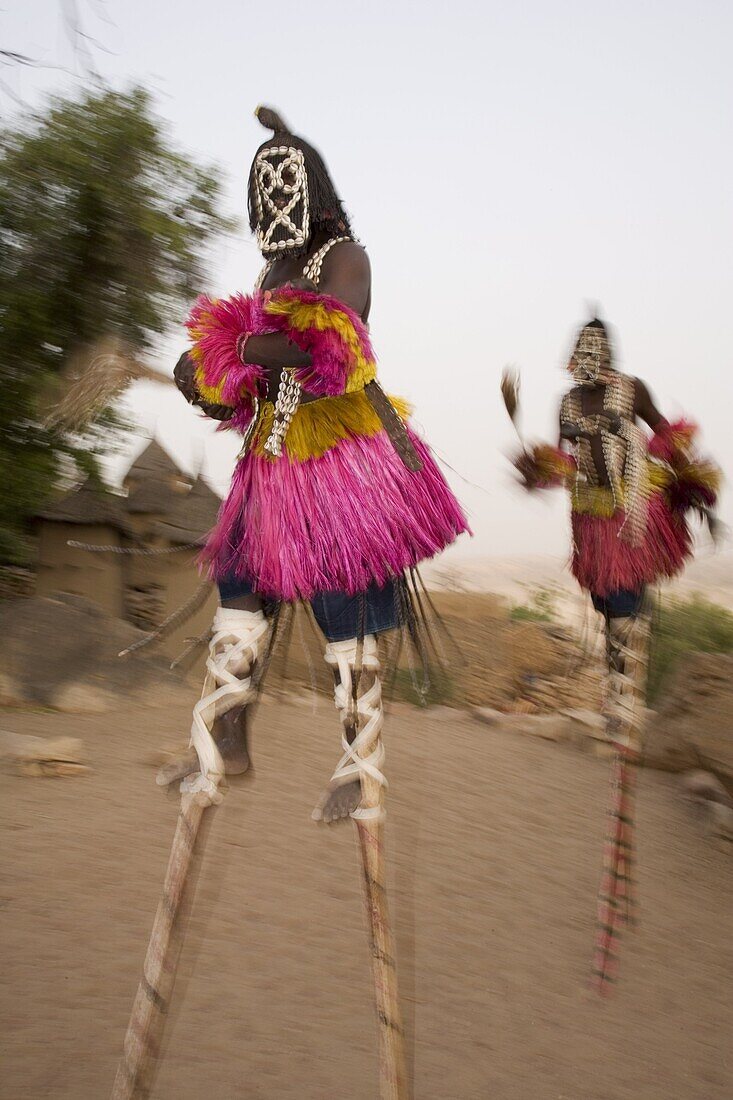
(271, 120)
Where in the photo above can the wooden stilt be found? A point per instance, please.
(616, 898)
(393, 1082)
(148, 1011)
(627, 646)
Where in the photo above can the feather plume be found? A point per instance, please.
(510, 386)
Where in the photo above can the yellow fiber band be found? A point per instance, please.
(320, 425)
(597, 500)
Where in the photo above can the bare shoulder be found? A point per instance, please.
(642, 396)
(346, 275)
(347, 258)
(644, 404)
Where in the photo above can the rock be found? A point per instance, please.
(721, 821)
(62, 652)
(11, 693)
(488, 715)
(708, 793)
(50, 769)
(550, 727)
(667, 754)
(590, 722)
(156, 758)
(706, 787)
(22, 746)
(586, 728)
(524, 706)
(42, 756)
(443, 713)
(81, 698)
(693, 728)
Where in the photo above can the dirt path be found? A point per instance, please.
(494, 843)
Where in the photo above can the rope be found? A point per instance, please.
(411, 631)
(194, 643)
(138, 551)
(181, 615)
(474, 484)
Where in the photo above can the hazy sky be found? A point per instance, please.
(503, 163)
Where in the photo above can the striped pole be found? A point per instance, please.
(627, 642)
(616, 900)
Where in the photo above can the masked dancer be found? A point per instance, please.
(630, 496)
(334, 499)
(333, 503)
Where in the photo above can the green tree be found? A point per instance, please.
(104, 231)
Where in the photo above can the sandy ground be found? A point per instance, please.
(494, 842)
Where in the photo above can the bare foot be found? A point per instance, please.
(338, 802)
(230, 735)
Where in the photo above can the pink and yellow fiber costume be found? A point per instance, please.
(627, 534)
(338, 509)
(607, 554)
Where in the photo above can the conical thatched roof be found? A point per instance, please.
(193, 516)
(157, 487)
(154, 483)
(90, 505)
(153, 462)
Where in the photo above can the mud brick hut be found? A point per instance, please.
(160, 508)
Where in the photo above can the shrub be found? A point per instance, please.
(540, 608)
(408, 687)
(685, 626)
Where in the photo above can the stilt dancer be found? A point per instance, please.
(334, 501)
(629, 497)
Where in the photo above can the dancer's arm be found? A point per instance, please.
(346, 275)
(183, 376)
(644, 406)
(542, 466)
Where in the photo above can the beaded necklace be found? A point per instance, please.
(624, 450)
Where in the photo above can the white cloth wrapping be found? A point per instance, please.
(368, 719)
(237, 637)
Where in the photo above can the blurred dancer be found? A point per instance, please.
(630, 495)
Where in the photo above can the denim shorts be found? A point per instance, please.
(339, 615)
(622, 604)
